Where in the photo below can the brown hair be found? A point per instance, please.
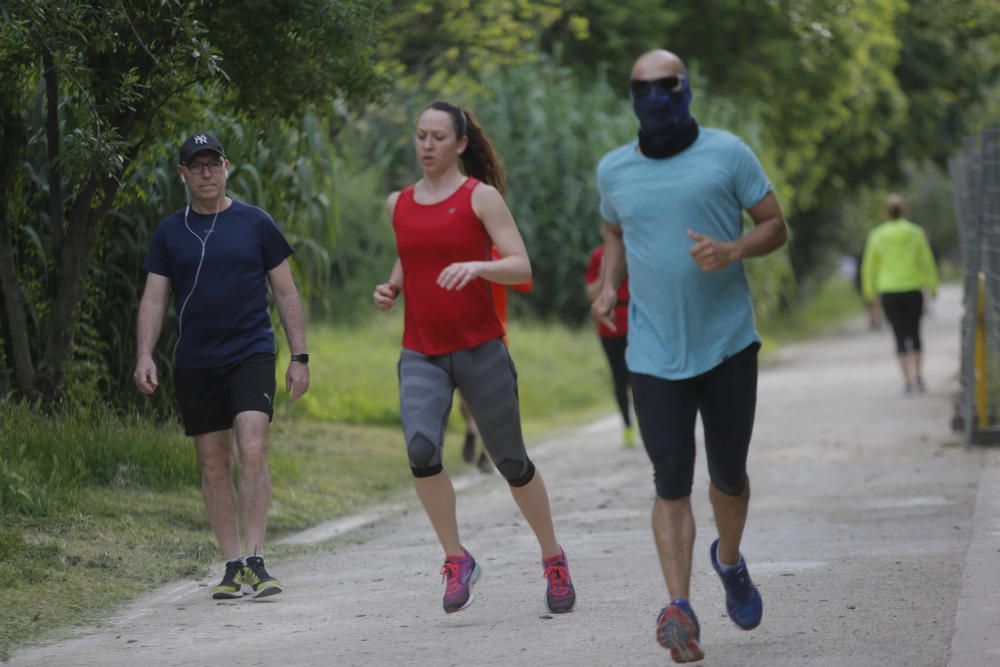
(479, 159)
(894, 206)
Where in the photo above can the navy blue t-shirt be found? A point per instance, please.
(225, 317)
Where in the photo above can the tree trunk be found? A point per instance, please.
(74, 257)
(78, 242)
(12, 141)
(53, 147)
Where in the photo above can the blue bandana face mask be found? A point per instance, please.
(665, 124)
(658, 109)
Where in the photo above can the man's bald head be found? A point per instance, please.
(657, 64)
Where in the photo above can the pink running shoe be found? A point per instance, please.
(677, 630)
(560, 596)
(460, 574)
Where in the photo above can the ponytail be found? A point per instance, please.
(894, 207)
(480, 159)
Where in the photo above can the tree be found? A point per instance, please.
(112, 76)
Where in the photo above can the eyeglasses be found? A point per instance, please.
(200, 167)
(642, 87)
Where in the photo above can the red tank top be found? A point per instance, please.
(429, 237)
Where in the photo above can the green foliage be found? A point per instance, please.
(45, 461)
(281, 57)
(95, 88)
(562, 372)
(551, 131)
(949, 69)
(827, 304)
(450, 45)
(850, 95)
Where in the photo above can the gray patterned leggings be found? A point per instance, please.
(488, 381)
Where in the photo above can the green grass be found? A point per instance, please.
(822, 310)
(562, 374)
(97, 509)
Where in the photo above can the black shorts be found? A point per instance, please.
(726, 398)
(210, 398)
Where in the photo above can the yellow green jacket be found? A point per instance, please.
(897, 258)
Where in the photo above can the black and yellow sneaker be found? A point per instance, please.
(231, 586)
(263, 584)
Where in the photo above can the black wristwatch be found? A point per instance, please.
(301, 358)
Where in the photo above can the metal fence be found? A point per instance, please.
(975, 176)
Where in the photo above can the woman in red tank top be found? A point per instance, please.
(446, 225)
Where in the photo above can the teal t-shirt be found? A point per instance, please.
(682, 320)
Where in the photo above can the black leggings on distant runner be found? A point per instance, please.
(903, 310)
(614, 349)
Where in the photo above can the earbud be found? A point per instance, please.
(183, 180)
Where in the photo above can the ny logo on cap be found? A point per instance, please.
(201, 139)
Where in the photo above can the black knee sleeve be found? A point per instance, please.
(424, 455)
(511, 471)
(426, 472)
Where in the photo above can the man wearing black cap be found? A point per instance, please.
(217, 255)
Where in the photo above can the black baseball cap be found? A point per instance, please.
(198, 143)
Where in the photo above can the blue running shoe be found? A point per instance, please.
(743, 603)
(677, 630)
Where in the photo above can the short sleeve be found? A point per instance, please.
(749, 180)
(274, 247)
(607, 209)
(156, 259)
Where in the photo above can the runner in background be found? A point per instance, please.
(614, 341)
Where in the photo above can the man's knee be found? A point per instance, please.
(252, 454)
(731, 485)
(672, 491)
(671, 484)
(216, 468)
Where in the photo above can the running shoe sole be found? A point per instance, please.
(473, 580)
(559, 611)
(226, 595)
(269, 589)
(676, 632)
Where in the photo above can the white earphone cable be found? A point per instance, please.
(201, 260)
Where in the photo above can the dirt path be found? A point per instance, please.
(859, 537)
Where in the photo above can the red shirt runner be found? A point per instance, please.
(621, 308)
(430, 237)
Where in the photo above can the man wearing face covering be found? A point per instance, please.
(673, 204)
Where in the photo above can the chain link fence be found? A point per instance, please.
(975, 176)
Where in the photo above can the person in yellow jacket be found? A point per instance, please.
(898, 267)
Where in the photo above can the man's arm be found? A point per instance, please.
(286, 296)
(769, 234)
(612, 275)
(152, 306)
